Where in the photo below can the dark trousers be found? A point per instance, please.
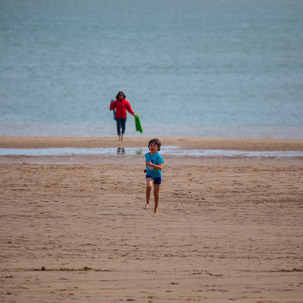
(120, 125)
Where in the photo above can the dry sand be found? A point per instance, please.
(73, 228)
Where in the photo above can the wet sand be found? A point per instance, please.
(199, 143)
(73, 228)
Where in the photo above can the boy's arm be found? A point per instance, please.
(145, 165)
(157, 166)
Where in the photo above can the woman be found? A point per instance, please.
(121, 105)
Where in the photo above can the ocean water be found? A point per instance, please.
(231, 68)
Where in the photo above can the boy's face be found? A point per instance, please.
(153, 147)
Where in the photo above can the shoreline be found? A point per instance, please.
(247, 144)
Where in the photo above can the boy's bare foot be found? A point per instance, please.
(156, 212)
(146, 206)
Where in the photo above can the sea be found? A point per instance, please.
(189, 68)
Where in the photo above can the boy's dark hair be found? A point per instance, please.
(155, 141)
(120, 92)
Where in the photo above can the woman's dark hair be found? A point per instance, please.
(155, 141)
(117, 97)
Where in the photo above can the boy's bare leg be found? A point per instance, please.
(149, 184)
(157, 197)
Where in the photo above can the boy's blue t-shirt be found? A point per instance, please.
(155, 159)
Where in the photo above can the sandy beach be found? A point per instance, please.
(73, 228)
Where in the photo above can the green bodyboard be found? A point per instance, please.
(138, 124)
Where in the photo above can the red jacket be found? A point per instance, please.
(121, 106)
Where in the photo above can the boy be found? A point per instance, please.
(154, 166)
